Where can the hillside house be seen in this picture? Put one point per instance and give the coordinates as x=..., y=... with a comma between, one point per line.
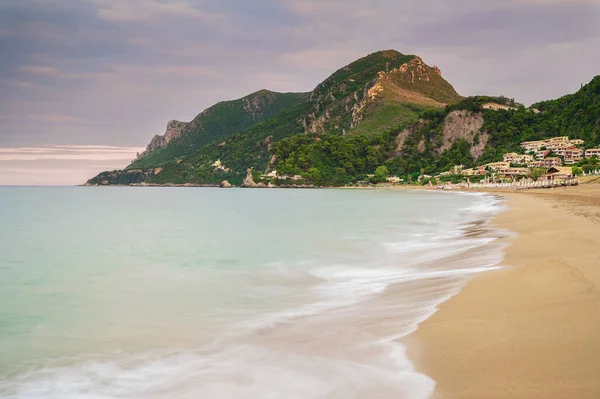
x=541, y=154
x=561, y=149
x=477, y=171
x=592, y=152
x=560, y=139
x=496, y=106
x=550, y=162
x=513, y=157
x=573, y=155
x=394, y=180
x=511, y=173
x=498, y=165
x=534, y=164
x=533, y=145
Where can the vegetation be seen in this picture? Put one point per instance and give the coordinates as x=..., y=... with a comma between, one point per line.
x=319, y=136
x=220, y=121
x=537, y=173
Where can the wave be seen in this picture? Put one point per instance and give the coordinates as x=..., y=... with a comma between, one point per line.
x=336, y=335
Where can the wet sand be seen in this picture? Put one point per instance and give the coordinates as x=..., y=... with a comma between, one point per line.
x=532, y=329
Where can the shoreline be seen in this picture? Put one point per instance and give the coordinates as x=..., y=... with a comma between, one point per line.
x=530, y=329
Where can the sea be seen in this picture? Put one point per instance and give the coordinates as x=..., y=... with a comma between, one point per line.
x=187, y=293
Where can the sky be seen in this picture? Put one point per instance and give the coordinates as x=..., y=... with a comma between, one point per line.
x=85, y=84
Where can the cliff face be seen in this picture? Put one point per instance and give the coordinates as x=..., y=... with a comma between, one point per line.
x=467, y=126
x=399, y=94
x=174, y=130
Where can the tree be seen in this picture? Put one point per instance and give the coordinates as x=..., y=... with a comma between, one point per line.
x=381, y=174
x=536, y=173
x=576, y=170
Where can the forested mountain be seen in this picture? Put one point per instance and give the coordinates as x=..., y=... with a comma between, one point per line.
x=386, y=109
x=215, y=123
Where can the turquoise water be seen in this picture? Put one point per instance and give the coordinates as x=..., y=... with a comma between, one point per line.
x=212, y=293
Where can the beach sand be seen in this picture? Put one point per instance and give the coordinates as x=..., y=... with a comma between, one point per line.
x=532, y=329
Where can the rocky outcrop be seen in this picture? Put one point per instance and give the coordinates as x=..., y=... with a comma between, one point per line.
x=255, y=105
x=457, y=125
x=225, y=184
x=464, y=125
x=401, y=138
x=417, y=70
x=249, y=180
x=174, y=130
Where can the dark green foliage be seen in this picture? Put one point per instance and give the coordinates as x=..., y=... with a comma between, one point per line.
x=381, y=174
x=220, y=121
x=575, y=115
x=537, y=173
x=332, y=159
x=117, y=177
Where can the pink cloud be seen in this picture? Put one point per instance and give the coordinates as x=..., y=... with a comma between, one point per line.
x=41, y=70
x=149, y=10
x=60, y=165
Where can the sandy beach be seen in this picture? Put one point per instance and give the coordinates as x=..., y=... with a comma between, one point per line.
x=532, y=329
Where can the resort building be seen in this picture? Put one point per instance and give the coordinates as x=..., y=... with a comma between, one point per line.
x=541, y=154
x=553, y=143
x=533, y=145
x=477, y=171
x=592, y=152
x=550, y=162
x=561, y=139
x=534, y=164
x=498, y=165
x=509, y=173
x=573, y=155
x=559, y=173
x=513, y=157
x=562, y=148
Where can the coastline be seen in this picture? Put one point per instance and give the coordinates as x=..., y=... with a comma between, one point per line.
x=529, y=330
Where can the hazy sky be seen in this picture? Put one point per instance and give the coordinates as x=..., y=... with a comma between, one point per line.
x=111, y=73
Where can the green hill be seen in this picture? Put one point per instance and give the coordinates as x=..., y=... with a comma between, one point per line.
x=376, y=92
x=386, y=109
x=215, y=123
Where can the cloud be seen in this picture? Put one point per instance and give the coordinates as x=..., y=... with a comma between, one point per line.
x=149, y=11
x=70, y=152
x=60, y=165
x=21, y=84
x=40, y=70
x=45, y=118
x=114, y=72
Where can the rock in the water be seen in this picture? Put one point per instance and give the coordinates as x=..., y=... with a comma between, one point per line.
x=225, y=184
x=248, y=180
